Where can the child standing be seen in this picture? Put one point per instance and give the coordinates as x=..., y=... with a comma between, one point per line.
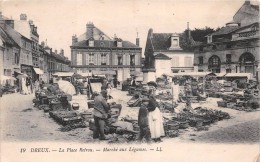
x=143, y=121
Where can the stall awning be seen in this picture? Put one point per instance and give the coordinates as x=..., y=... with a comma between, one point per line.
x=103, y=72
x=38, y=71
x=235, y=75
x=198, y=74
x=3, y=77
x=63, y=74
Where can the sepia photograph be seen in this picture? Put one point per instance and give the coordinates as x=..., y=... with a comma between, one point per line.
x=129, y=80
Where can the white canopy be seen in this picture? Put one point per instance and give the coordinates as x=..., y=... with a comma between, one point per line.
x=3, y=78
x=38, y=71
x=63, y=74
x=248, y=75
x=188, y=73
x=66, y=87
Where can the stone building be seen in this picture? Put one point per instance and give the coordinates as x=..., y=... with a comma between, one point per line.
x=235, y=47
x=95, y=52
x=166, y=53
x=10, y=51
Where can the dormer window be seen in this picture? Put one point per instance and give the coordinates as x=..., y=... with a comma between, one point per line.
x=91, y=42
x=119, y=42
x=209, y=39
x=175, y=42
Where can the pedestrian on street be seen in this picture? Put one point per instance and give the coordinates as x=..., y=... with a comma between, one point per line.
x=36, y=84
x=155, y=121
x=143, y=121
x=101, y=113
x=28, y=85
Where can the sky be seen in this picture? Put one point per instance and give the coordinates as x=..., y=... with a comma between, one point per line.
x=58, y=20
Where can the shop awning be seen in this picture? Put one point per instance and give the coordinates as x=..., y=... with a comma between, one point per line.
x=103, y=72
x=38, y=71
x=63, y=74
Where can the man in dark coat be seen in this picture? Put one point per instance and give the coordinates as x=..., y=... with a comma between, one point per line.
x=143, y=121
x=101, y=113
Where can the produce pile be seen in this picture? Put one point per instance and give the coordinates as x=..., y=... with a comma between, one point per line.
x=198, y=118
x=246, y=102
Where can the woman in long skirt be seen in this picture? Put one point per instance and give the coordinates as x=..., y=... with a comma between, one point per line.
x=155, y=121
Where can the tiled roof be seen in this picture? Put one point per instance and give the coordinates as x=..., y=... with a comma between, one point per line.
x=6, y=38
x=226, y=30
x=161, y=41
x=105, y=44
x=256, y=7
x=161, y=56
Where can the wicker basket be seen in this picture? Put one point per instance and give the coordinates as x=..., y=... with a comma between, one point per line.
x=222, y=103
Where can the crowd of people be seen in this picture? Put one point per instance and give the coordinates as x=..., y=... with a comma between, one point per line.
x=150, y=120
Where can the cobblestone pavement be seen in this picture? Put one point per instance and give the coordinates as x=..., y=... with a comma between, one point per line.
x=247, y=132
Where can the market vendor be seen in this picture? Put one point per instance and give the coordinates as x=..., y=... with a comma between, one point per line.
x=143, y=121
x=100, y=113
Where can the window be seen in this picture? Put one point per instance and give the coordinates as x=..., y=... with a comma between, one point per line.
x=132, y=60
x=174, y=42
x=188, y=62
x=16, y=58
x=228, y=58
x=103, y=59
x=79, y=58
x=119, y=44
x=228, y=70
x=119, y=60
x=209, y=38
x=91, y=43
x=91, y=59
x=24, y=43
x=175, y=61
x=200, y=60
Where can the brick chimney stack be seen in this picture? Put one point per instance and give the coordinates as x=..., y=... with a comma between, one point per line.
x=74, y=39
x=23, y=16
x=188, y=28
x=90, y=30
x=137, y=40
x=61, y=52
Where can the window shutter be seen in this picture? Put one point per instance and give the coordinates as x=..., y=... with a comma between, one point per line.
x=99, y=58
x=95, y=59
x=87, y=58
x=107, y=58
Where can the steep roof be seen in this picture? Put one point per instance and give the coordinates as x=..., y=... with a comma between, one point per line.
x=7, y=38
x=225, y=30
x=162, y=56
x=162, y=41
x=105, y=44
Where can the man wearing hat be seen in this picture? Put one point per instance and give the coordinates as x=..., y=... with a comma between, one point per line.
x=100, y=112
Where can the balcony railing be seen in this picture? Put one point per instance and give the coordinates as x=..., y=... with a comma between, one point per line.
x=247, y=34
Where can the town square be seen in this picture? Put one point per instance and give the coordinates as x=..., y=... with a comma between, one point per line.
x=130, y=78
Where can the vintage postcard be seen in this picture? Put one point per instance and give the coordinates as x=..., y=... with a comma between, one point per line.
x=129, y=80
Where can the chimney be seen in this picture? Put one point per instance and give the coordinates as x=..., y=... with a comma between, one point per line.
x=188, y=29
x=90, y=30
x=55, y=51
x=23, y=17
x=74, y=39
x=247, y=2
x=30, y=22
x=61, y=52
x=10, y=23
x=137, y=41
x=43, y=44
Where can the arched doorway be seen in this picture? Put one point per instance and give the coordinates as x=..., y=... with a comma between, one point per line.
x=214, y=64
x=246, y=61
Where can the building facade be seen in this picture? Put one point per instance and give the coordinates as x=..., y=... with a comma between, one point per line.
x=165, y=53
x=235, y=47
x=95, y=52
